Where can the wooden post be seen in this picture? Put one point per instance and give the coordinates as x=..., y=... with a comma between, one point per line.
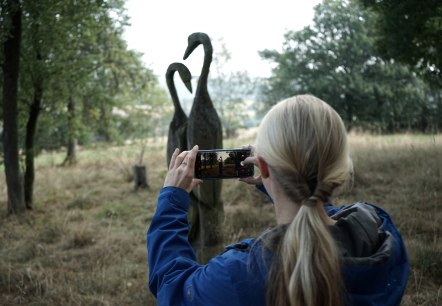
x=140, y=178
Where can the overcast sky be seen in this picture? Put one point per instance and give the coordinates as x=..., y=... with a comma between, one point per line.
x=159, y=29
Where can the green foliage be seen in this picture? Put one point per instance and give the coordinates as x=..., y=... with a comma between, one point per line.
x=410, y=31
x=335, y=59
x=75, y=51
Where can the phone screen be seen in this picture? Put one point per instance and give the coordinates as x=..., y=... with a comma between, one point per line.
x=222, y=164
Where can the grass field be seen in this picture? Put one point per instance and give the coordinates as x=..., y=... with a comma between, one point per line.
x=84, y=242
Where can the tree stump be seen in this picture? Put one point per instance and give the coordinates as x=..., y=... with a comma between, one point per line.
x=140, y=179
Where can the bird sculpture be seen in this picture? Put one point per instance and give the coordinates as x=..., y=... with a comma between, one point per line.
x=177, y=137
x=204, y=129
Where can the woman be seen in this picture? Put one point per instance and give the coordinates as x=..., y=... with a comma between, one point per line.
x=318, y=254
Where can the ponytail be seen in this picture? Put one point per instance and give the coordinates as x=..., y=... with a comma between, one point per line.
x=306, y=266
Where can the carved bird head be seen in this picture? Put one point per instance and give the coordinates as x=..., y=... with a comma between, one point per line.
x=194, y=40
x=184, y=72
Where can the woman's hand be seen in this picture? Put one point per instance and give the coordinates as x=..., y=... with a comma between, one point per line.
x=182, y=169
x=251, y=180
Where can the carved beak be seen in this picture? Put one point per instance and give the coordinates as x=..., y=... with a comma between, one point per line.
x=188, y=85
x=190, y=49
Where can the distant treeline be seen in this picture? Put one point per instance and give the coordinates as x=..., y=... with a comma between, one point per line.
x=378, y=65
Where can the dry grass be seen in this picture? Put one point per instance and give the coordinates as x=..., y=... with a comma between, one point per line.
x=84, y=242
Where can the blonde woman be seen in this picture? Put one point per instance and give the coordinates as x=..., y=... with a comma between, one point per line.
x=318, y=254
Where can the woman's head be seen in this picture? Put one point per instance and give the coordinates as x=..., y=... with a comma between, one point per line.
x=303, y=140
x=303, y=143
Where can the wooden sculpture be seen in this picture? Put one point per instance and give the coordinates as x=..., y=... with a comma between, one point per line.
x=177, y=137
x=204, y=129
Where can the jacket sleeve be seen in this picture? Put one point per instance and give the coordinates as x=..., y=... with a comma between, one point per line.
x=167, y=245
x=175, y=277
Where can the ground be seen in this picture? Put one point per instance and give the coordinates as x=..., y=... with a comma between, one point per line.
x=84, y=241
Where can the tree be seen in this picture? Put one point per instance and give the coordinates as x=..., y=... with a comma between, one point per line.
x=75, y=69
x=230, y=91
x=121, y=83
x=410, y=31
x=89, y=22
x=335, y=59
x=82, y=83
x=35, y=38
x=50, y=26
x=12, y=12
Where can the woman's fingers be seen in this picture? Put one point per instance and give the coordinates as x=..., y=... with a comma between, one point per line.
x=181, y=170
x=251, y=180
x=191, y=158
x=250, y=160
x=174, y=156
x=180, y=158
x=196, y=182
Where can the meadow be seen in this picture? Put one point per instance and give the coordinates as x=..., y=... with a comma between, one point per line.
x=84, y=241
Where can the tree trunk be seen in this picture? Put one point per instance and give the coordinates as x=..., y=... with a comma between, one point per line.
x=104, y=129
x=439, y=112
x=31, y=126
x=349, y=103
x=10, y=109
x=423, y=124
x=71, y=155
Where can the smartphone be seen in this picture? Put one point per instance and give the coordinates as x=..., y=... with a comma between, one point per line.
x=222, y=164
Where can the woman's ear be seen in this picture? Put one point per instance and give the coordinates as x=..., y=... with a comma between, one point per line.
x=263, y=167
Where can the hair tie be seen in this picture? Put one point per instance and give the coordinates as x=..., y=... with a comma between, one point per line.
x=310, y=202
x=323, y=191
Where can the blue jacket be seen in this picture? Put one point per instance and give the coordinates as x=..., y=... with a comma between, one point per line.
x=238, y=275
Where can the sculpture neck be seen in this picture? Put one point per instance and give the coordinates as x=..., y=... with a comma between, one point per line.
x=173, y=93
x=202, y=82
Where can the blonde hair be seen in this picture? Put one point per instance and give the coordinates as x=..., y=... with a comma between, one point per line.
x=303, y=141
